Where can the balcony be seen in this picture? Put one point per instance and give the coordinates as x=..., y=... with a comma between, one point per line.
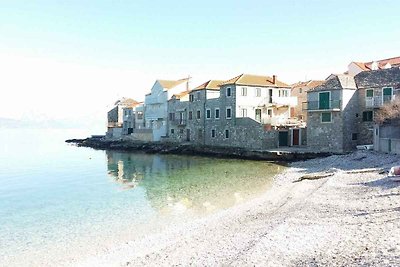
x=334, y=105
x=280, y=121
x=181, y=122
x=378, y=101
x=285, y=101
x=281, y=101
x=114, y=124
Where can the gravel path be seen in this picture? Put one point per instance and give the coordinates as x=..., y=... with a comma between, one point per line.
x=348, y=219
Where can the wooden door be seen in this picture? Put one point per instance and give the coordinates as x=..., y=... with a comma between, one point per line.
x=296, y=137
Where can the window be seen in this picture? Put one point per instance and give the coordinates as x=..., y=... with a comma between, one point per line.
x=172, y=131
x=208, y=113
x=217, y=113
x=369, y=93
x=198, y=116
x=226, y=133
x=354, y=136
x=301, y=90
x=228, y=113
x=190, y=115
x=191, y=97
x=283, y=93
x=243, y=112
x=213, y=133
x=228, y=91
x=198, y=96
x=244, y=91
x=368, y=115
x=171, y=116
x=258, y=92
x=140, y=115
x=387, y=93
x=326, y=117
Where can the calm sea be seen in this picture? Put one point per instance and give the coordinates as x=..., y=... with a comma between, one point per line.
x=60, y=203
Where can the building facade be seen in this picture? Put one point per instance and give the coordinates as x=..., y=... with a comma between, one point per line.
x=156, y=104
x=332, y=110
x=300, y=90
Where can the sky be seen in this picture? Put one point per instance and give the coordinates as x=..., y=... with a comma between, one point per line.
x=71, y=60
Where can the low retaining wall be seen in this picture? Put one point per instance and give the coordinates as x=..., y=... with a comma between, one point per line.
x=389, y=145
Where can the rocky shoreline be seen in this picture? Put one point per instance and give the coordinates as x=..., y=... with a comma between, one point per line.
x=196, y=150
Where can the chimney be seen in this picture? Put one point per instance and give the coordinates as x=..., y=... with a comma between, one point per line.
x=274, y=79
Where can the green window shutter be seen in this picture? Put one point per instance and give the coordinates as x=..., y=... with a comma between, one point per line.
x=324, y=100
x=387, y=91
x=326, y=117
x=368, y=115
x=370, y=93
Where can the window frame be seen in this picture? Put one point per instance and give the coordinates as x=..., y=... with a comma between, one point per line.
x=227, y=134
x=243, y=91
x=366, y=118
x=330, y=114
x=228, y=89
x=215, y=113
x=213, y=133
x=208, y=113
x=369, y=90
x=198, y=114
x=230, y=113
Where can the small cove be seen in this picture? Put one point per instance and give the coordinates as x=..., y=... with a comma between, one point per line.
x=60, y=202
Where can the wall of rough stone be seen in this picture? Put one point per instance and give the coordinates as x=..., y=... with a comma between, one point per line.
x=365, y=128
x=175, y=106
x=325, y=136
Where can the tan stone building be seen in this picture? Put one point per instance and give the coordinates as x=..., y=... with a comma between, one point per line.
x=300, y=90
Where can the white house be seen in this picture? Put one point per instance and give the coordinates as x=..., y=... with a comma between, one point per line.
x=156, y=104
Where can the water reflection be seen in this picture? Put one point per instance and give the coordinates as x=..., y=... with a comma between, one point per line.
x=180, y=184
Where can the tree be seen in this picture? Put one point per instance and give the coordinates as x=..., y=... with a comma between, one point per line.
x=388, y=111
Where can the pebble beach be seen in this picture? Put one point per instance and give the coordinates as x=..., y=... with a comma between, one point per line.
x=349, y=218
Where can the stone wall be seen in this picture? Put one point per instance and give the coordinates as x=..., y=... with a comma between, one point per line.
x=176, y=128
x=325, y=136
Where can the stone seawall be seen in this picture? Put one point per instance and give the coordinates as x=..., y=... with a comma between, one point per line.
x=196, y=150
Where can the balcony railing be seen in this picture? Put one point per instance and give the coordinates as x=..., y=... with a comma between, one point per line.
x=286, y=101
x=114, y=124
x=319, y=105
x=276, y=100
x=378, y=101
x=180, y=121
x=278, y=121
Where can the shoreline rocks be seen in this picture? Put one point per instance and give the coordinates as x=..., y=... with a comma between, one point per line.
x=195, y=150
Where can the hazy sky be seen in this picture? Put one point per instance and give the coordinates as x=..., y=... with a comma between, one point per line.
x=73, y=59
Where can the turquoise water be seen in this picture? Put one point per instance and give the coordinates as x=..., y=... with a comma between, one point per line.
x=60, y=203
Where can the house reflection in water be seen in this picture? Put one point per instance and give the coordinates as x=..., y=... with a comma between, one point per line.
x=181, y=184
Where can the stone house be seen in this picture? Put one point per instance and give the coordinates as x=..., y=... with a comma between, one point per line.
x=129, y=118
x=115, y=117
x=375, y=88
x=177, y=117
x=188, y=114
x=156, y=104
x=332, y=109
x=248, y=106
x=300, y=90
